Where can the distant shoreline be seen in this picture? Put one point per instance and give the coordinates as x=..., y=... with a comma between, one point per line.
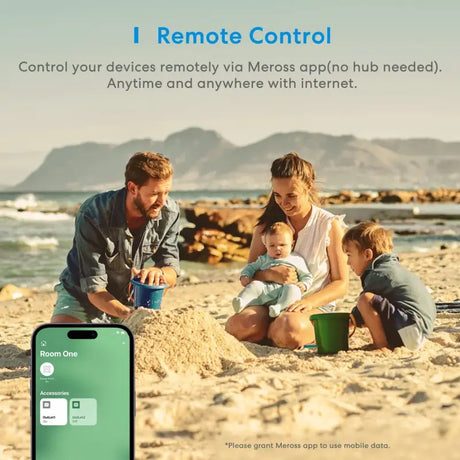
x=437, y=195
x=69, y=202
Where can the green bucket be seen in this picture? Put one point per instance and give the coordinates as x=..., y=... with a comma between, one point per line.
x=332, y=331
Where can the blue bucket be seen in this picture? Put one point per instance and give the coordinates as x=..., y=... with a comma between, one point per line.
x=147, y=295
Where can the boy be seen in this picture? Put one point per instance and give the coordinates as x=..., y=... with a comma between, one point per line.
x=394, y=303
x=279, y=241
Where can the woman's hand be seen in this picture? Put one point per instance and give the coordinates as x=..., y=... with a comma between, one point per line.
x=284, y=274
x=281, y=274
x=301, y=306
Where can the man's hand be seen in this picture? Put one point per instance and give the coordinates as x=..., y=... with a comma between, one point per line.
x=107, y=303
x=128, y=314
x=150, y=275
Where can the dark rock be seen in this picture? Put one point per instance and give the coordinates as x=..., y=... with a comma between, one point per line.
x=419, y=397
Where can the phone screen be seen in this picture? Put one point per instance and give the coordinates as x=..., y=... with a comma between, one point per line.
x=82, y=392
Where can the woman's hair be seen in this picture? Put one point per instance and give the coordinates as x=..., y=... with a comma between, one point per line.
x=287, y=167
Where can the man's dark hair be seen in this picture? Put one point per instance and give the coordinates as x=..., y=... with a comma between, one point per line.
x=143, y=166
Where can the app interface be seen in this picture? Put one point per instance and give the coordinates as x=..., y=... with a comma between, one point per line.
x=82, y=395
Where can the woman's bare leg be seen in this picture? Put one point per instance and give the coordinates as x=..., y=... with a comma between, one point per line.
x=292, y=329
x=250, y=325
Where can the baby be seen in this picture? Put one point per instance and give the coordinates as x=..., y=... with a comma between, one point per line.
x=279, y=241
x=394, y=303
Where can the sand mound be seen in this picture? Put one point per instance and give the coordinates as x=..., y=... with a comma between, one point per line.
x=183, y=340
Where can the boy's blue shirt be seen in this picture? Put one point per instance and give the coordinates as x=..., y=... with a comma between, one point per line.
x=386, y=277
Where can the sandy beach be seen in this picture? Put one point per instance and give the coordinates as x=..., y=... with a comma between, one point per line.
x=201, y=394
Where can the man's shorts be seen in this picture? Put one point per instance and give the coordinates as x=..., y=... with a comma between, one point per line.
x=400, y=328
x=67, y=304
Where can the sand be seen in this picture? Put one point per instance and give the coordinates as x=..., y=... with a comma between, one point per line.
x=183, y=340
x=204, y=395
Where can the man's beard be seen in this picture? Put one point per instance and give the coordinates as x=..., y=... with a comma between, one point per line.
x=146, y=212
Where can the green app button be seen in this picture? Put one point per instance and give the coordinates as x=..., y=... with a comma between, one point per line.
x=83, y=411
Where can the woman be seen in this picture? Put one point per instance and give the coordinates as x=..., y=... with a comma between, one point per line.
x=318, y=235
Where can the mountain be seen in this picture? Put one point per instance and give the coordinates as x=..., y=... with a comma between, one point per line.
x=439, y=159
x=205, y=160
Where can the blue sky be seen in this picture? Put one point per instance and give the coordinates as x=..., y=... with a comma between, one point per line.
x=42, y=111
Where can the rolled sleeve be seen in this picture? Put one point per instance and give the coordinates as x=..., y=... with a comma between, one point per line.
x=93, y=283
x=168, y=252
x=90, y=244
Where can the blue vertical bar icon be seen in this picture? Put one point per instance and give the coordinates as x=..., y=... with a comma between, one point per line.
x=136, y=34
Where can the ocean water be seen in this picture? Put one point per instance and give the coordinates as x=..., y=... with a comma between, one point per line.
x=35, y=238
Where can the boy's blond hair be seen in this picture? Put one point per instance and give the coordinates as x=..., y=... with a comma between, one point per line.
x=279, y=228
x=369, y=235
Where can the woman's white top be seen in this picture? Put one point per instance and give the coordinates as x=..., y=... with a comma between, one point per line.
x=312, y=243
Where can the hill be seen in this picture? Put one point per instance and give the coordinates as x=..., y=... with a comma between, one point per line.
x=205, y=160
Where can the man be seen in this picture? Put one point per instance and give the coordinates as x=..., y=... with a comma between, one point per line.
x=116, y=232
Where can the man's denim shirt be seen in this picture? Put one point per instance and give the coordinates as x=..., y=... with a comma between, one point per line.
x=101, y=255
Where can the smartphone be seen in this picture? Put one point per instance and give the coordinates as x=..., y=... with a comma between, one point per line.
x=82, y=392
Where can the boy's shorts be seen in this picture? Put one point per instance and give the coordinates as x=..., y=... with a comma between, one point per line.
x=400, y=328
x=67, y=304
x=328, y=308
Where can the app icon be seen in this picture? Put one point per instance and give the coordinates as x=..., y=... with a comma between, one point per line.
x=47, y=369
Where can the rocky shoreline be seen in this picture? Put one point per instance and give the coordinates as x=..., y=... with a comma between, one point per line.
x=439, y=195
x=222, y=230
x=218, y=235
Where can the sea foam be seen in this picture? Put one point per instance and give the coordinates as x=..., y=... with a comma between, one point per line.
x=37, y=242
x=33, y=215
